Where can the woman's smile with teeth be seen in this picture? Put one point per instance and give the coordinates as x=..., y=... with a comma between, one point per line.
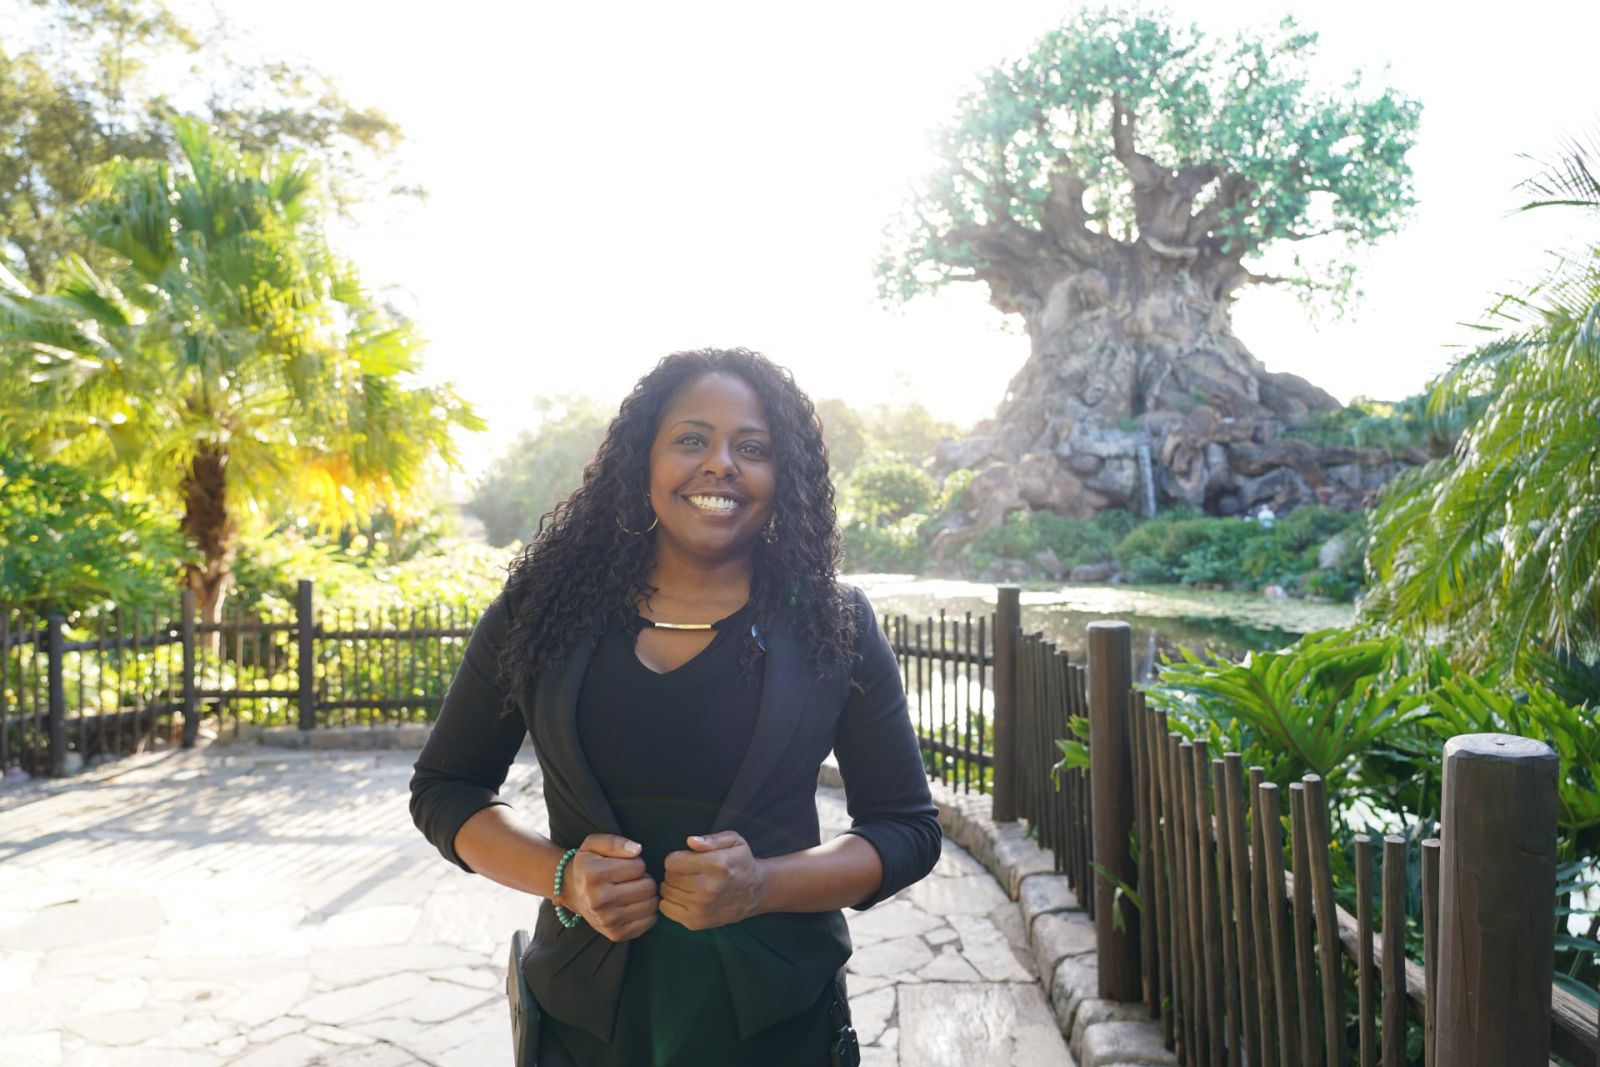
x=712, y=503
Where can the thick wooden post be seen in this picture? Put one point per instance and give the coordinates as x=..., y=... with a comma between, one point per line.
x=1007, y=628
x=56, y=654
x=1497, y=895
x=1111, y=780
x=191, y=704
x=305, y=654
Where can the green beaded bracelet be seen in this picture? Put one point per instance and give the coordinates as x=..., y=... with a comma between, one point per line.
x=566, y=918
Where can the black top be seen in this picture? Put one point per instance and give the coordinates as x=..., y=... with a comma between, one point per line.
x=773, y=965
x=665, y=748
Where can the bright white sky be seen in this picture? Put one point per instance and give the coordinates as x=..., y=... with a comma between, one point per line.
x=611, y=182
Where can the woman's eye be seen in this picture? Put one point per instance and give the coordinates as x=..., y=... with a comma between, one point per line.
x=751, y=448
x=693, y=439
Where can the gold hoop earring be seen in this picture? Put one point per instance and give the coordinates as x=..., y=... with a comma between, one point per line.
x=654, y=518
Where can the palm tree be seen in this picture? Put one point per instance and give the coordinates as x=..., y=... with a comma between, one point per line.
x=228, y=359
x=1495, y=549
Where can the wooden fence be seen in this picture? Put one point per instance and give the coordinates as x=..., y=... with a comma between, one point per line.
x=142, y=679
x=1244, y=954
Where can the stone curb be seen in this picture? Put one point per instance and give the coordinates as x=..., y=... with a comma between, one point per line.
x=408, y=735
x=1100, y=1033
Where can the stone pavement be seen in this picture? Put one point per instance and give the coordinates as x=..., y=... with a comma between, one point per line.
x=253, y=906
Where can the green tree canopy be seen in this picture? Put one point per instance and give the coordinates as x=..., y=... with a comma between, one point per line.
x=886, y=491
x=1121, y=129
x=227, y=357
x=906, y=432
x=540, y=469
x=102, y=79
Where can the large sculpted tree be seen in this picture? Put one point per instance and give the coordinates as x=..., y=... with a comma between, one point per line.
x=1117, y=188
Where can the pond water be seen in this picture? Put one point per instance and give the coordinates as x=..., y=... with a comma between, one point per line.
x=1162, y=617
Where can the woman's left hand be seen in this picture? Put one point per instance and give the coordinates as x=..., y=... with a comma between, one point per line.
x=716, y=883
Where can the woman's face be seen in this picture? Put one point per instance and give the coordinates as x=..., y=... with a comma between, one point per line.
x=712, y=478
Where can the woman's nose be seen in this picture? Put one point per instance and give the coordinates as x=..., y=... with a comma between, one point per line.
x=720, y=462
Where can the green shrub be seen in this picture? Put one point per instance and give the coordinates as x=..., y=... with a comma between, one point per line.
x=70, y=541
x=1367, y=424
x=461, y=575
x=1181, y=546
x=887, y=491
x=890, y=547
x=1074, y=541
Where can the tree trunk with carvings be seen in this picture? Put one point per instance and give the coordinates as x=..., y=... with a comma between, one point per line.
x=1133, y=352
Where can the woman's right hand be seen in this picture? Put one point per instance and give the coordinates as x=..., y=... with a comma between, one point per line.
x=606, y=883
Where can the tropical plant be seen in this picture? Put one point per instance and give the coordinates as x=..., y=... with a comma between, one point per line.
x=227, y=359
x=1494, y=550
x=83, y=82
x=1320, y=706
x=1464, y=704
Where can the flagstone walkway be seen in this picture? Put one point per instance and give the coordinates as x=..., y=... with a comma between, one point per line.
x=254, y=906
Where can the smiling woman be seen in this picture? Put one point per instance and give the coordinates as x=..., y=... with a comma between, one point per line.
x=711, y=474
x=677, y=645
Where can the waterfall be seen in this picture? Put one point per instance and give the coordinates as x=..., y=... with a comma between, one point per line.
x=1147, y=479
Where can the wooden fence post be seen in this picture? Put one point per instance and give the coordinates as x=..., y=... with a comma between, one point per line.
x=56, y=654
x=1007, y=628
x=1497, y=896
x=191, y=704
x=1111, y=781
x=306, y=654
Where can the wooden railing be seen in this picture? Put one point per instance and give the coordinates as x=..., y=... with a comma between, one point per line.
x=1232, y=936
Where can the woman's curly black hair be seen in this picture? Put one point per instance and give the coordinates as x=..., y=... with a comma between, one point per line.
x=584, y=566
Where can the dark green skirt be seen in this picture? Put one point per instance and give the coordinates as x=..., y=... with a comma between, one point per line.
x=675, y=1011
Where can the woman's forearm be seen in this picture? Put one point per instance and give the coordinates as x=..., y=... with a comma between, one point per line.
x=837, y=874
x=495, y=846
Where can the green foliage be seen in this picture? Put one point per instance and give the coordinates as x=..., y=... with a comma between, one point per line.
x=1292, y=161
x=882, y=492
x=1485, y=612
x=225, y=339
x=905, y=432
x=69, y=541
x=1461, y=703
x=1316, y=707
x=1182, y=546
x=883, y=506
x=94, y=84
x=460, y=575
x=1397, y=427
x=893, y=548
x=1494, y=550
x=540, y=469
x=1074, y=541
x=845, y=432
x=886, y=500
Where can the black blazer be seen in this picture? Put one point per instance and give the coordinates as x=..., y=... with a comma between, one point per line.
x=776, y=964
